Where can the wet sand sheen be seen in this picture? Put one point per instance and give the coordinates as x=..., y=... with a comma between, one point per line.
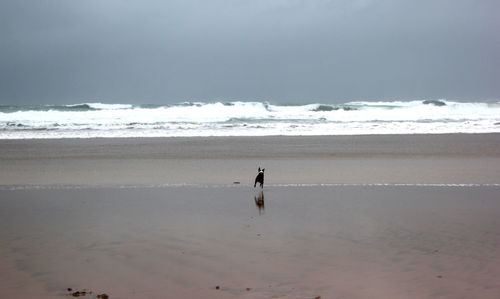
x=292, y=242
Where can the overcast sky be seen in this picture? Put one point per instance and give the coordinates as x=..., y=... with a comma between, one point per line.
x=282, y=51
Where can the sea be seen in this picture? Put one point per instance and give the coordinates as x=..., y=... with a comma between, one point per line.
x=241, y=118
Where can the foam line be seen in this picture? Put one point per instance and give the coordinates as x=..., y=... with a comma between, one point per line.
x=268, y=186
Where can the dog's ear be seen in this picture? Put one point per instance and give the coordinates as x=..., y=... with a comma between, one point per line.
x=263, y=169
x=259, y=168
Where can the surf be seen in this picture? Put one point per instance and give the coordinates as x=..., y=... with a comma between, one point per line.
x=240, y=118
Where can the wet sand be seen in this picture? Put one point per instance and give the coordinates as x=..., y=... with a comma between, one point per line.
x=452, y=158
x=298, y=242
x=361, y=241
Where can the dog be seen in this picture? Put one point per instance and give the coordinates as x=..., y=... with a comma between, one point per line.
x=260, y=178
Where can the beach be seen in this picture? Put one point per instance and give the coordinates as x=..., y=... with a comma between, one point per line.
x=447, y=158
x=378, y=216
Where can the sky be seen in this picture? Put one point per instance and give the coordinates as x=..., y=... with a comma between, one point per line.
x=281, y=51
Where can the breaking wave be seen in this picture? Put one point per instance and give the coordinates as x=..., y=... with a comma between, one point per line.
x=239, y=118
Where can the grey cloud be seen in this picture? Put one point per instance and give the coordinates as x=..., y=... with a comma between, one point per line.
x=62, y=51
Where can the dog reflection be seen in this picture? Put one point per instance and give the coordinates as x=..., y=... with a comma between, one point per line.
x=259, y=202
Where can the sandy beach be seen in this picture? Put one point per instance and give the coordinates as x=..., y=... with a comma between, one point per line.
x=452, y=158
x=107, y=216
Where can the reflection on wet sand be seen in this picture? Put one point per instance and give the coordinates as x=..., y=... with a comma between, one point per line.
x=259, y=202
x=184, y=241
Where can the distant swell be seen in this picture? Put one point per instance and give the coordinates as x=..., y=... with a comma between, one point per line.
x=434, y=102
x=80, y=107
x=321, y=108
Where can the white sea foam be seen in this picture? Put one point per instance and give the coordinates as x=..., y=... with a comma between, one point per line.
x=250, y=186
x=247, y=119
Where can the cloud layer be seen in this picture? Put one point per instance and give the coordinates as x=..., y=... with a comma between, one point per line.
x=61, y=51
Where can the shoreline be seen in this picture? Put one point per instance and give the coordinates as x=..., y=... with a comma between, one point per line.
x=365, y=159
x=256, y=136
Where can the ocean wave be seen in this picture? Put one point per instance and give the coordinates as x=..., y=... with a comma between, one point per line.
x=327, y=108
x=434, y=102
x=83, y=107
x=240, y=118
x=101, y=106
x=75, y=107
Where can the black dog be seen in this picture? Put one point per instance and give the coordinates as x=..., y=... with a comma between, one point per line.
x=260, y=178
